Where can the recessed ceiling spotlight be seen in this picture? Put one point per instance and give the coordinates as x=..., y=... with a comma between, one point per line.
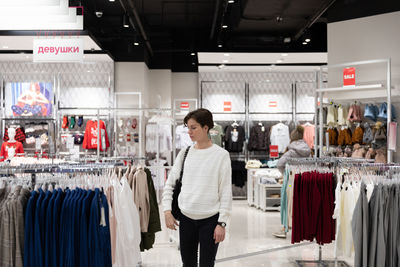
x=220, y=45
x=5, y=47
x=231, y=1
x=225, y=61
x=279, y=61
x=193, y=54
x=307, y=40
x=284, y=55
x=226, y=54
x=287, y=40
x=136, y=43
x=221, y=66
x=304, y=43
x=224, y=26
x=111, y=0
x=193, y=63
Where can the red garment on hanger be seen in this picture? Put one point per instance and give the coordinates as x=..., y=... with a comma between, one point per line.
x=313, y=206
x=10, y=145
x=90, y=138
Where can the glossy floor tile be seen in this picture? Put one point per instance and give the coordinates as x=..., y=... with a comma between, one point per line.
x=249, y=242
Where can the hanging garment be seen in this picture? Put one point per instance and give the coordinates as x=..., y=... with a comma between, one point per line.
x=309, y=134
x=296, y=149
x=160, y=132
x=139, y=186
x=332, y=116
x=344, y=137
x=280, y=136
x=357, y=136
x=11, y=149
x=216, y=134
x=259, y=138
x=19, y=135
x=342, y=115
x=239, y=173
x=149, y=238
x=182, y=137
x=360, y=230
x=128, y=225
x=234, y=138
x=313, y=206
x=333, y=136
x=91, y=132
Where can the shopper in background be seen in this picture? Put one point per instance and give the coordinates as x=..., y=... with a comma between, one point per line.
x=205, y=199
x=297, y=148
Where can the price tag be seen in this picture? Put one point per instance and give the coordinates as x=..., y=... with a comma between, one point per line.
x=273, y=151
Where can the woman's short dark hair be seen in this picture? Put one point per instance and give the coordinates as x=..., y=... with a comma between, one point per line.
x=202, y=116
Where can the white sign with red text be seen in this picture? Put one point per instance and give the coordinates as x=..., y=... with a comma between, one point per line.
x=58, y=50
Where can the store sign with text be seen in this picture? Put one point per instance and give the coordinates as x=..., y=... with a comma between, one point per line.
x=349, y=77
x=227, y=106
x=184, y=105
x=273, y=104
x=58, y=50
x=273, y=151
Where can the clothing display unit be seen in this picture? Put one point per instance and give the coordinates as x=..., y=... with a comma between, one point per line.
x=383, y=92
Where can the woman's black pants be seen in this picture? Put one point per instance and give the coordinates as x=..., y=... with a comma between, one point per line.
x=193, y=232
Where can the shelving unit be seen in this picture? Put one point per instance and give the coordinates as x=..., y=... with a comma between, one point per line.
x=319, y=95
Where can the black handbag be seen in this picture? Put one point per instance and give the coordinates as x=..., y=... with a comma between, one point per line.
x=175, y=210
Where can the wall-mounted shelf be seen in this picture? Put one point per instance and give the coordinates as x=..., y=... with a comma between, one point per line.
x=350, y=88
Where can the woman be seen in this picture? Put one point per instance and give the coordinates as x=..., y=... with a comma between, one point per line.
x=297, y=148
x=205, y=199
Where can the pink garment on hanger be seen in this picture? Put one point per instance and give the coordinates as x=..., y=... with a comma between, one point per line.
x=392, y=136
x=309, y=134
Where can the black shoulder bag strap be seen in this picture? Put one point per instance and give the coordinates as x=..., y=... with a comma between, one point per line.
x=183, y=163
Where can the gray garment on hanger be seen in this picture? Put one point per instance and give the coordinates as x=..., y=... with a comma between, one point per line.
x=382, y=229
x=359, y=227
x=391, y=253
x=373, y=225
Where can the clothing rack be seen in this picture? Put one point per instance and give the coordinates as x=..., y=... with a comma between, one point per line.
x=55, y=168
x=316, y=161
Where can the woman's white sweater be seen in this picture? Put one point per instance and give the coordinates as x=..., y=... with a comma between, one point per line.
x=206, y=183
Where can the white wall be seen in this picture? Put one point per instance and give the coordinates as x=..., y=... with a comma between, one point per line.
x=185, y=85
x=374, y=37
x=160, y=88
x=131, y=77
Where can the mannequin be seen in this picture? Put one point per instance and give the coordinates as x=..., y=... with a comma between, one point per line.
x=12, y=147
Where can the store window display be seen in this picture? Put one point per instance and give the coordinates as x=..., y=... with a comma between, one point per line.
x=12, y=147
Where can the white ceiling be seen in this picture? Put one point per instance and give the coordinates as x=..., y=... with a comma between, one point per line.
x=262, y=58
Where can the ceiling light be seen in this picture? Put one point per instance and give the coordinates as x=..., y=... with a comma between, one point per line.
x=136, y=43
x=5, y=47
x=193, y=63
x=112, y=0
x=307, y=40
x=287, y=40
x=279, y=61
x=304, y=43
x=231, y=1
x=125, y=21
x=193, y=54
x=225, y=61
x=220, y=45
x=224, y=26
x=221, y=66
x=284, y=55
x=226, y=54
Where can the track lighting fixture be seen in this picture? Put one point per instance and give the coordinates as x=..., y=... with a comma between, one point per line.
x=125, y=21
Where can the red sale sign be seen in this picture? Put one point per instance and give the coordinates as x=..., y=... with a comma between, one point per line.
x=273, y=151
x=349, y=77
x=184, y=105
x=227, y=106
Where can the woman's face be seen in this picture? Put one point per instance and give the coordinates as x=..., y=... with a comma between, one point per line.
x=196, y=132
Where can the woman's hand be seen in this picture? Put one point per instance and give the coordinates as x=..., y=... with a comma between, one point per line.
x=170, y=221
x=219, y=234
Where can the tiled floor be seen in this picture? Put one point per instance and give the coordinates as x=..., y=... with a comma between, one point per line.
x=248, y=243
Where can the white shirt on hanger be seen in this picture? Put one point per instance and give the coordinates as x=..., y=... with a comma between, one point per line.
x=182, y=137
x=280, y=136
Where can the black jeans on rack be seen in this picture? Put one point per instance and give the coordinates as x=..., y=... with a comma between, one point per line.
x=193, y=232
